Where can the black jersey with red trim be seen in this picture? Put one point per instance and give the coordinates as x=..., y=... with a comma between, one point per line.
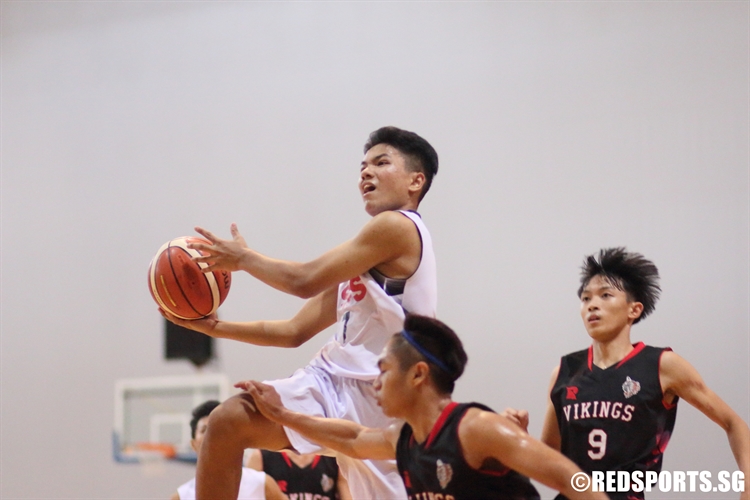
x=615, y=418
x=437, y=470
x=317, y=481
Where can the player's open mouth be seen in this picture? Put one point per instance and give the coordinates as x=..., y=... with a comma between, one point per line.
x=592, y=319
x=368, y=188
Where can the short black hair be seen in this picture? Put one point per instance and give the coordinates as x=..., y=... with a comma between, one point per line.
x=630, y=272
x=440, y=341
x=420, y=155
x=201, y=411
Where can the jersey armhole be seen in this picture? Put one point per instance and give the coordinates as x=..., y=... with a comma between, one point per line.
x=495, y=473
x=421, y=241
x=396, y=286
x=666, y=405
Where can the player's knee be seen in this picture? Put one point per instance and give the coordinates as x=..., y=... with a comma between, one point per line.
x=234, y=418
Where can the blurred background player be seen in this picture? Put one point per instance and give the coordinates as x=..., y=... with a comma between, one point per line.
x=443, y=449
x=363, y=285
x=302, y=476
x=254, y=485
x=613, y=406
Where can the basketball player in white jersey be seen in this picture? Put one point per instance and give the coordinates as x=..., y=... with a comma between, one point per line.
x=363, y=286
x=254, y=485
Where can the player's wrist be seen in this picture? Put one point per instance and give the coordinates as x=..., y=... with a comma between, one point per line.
x=285, y=416
x=246, y=259
x=211, y=328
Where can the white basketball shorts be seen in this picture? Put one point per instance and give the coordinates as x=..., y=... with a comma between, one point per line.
x=313, y=391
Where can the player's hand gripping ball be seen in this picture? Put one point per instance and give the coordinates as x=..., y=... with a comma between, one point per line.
x=179, y=285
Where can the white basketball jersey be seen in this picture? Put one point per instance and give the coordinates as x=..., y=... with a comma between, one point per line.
x=252, y=486
x=372, y=307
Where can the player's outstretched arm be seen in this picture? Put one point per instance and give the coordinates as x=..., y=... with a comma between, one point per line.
x=385, y=238
x=488, y=436
x=316, y=315
x=342, y=436
x=680, y=378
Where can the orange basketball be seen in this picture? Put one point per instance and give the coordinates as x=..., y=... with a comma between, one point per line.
x=180, y=286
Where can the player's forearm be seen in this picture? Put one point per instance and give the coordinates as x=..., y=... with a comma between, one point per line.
x=339, y=435
x=550, y=468
x=289, y=277
x=262, y=333
x=738, y=434
x=315, y=316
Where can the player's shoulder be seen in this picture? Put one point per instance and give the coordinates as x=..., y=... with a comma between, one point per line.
x=671, y=363
x=479, y=424
x=650, y=356
x=474, y=417
x=659, y=351
x=390, y=223
x=676, y=374
x=555, y=373
x=392, y=217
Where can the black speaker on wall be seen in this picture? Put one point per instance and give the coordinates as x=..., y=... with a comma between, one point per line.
x=182, y=343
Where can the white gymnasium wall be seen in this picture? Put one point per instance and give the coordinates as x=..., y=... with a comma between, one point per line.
x=562, y=127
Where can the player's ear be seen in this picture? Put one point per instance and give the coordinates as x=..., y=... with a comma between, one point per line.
x=417, y=181
x=194, y=445
x=420, y=373
x=636, y=309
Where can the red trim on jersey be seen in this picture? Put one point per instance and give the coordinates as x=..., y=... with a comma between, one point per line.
x=282, y=485
x=439, y=423
x=495, y=473
x=666, y=405
x=315, y=461
x=407, y=479
x=286, y=459
x=636, y=349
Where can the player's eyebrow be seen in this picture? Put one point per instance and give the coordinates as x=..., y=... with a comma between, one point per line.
x=374, y=159
x=605, y=286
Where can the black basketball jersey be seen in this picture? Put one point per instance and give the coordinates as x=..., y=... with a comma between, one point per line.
x=615, y=418
x=318, y=481
x=437, y=470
